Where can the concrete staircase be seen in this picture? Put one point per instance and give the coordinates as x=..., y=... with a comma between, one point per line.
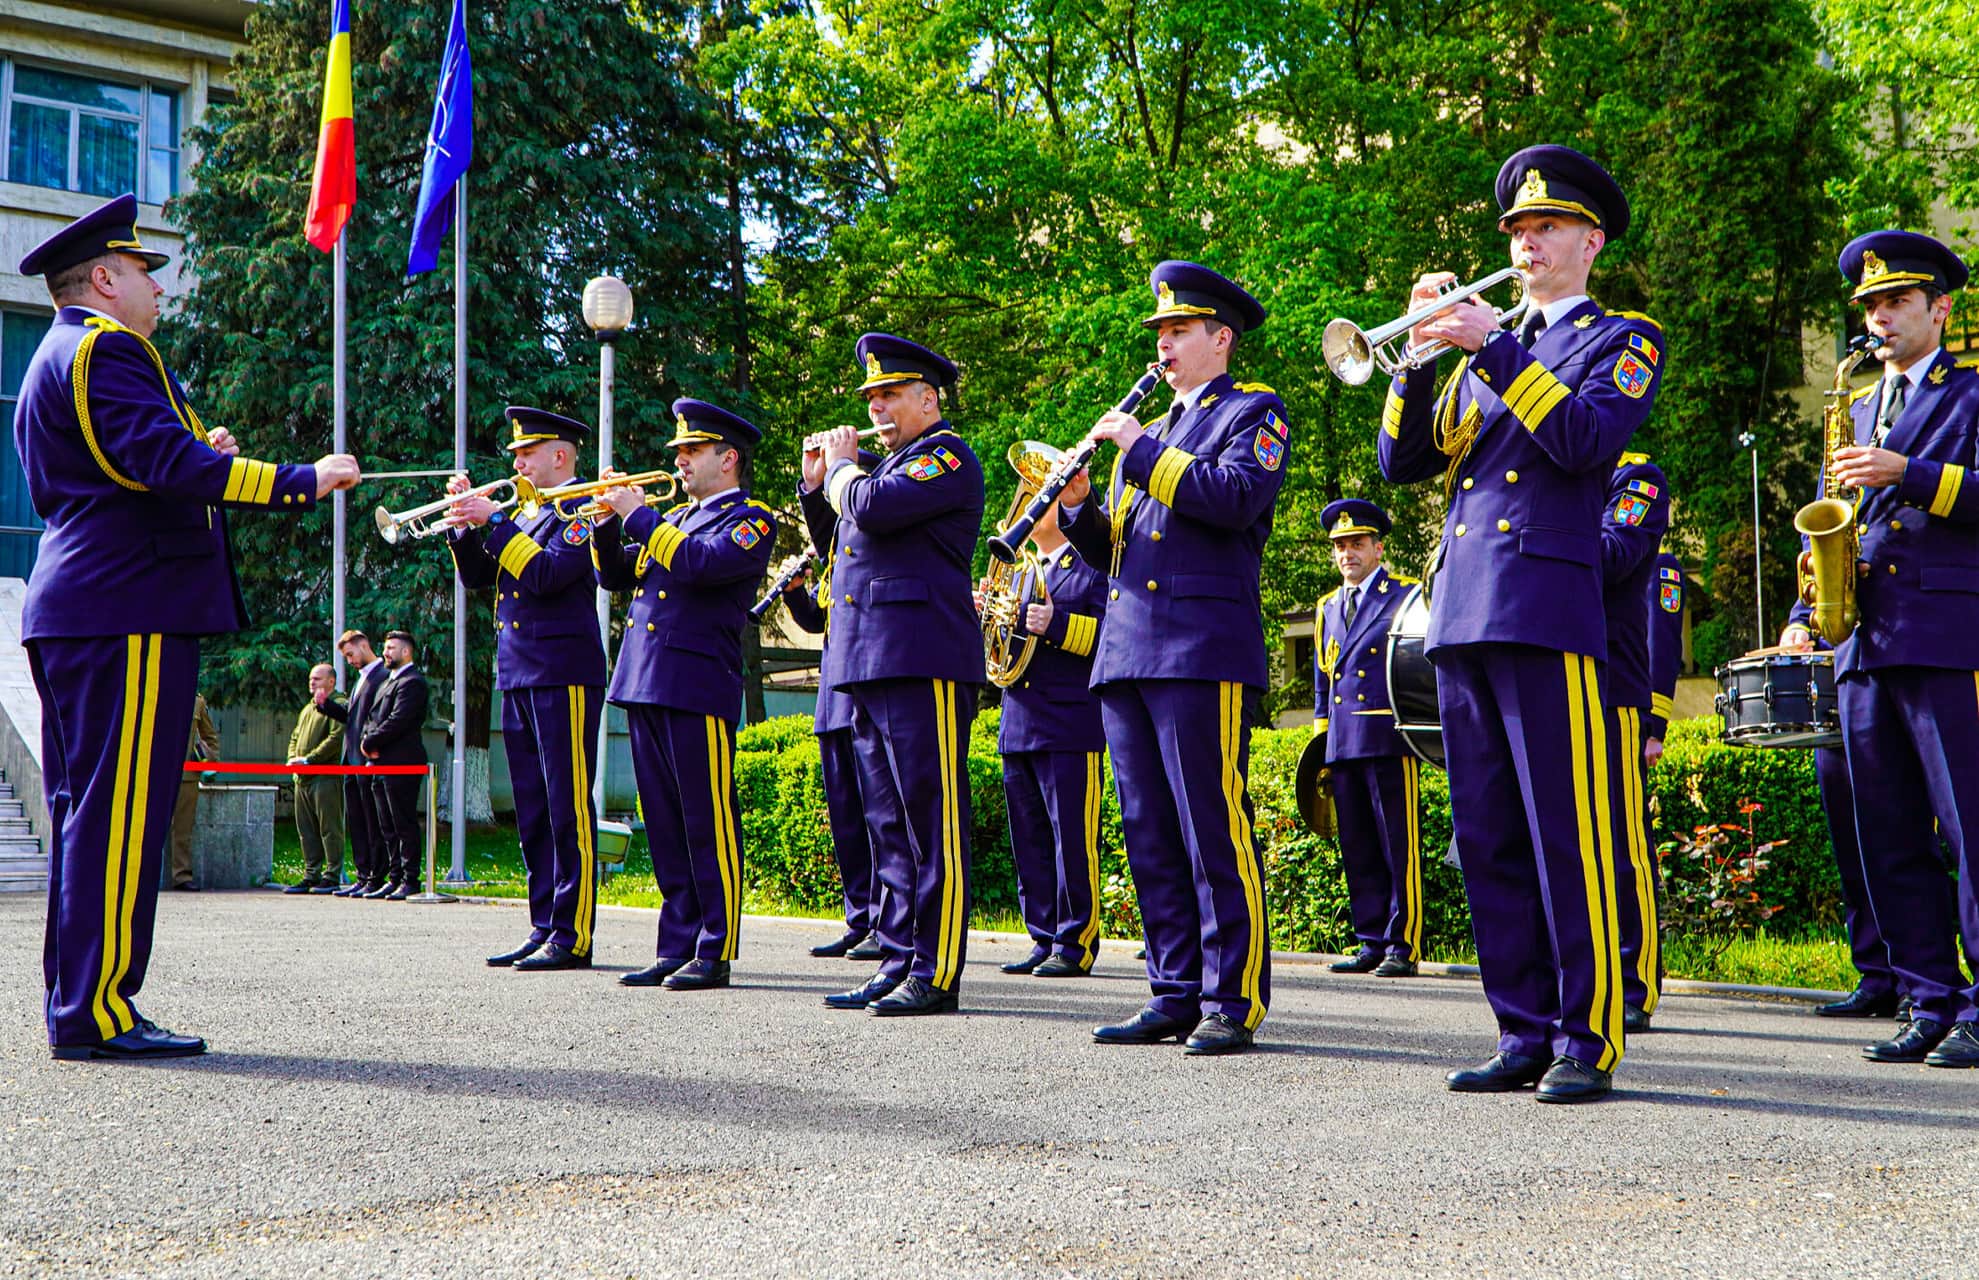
x=23, y=866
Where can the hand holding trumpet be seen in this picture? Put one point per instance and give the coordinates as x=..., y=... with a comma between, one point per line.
x=471, y=511
x=1468, y=324
x=621, y=499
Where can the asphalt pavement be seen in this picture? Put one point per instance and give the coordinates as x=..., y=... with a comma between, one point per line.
x=380, y=1103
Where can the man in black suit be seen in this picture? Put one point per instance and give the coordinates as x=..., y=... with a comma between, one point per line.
x=367, y=841
x=391, y=736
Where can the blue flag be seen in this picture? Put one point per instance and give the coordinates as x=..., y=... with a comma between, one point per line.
x=449, y=148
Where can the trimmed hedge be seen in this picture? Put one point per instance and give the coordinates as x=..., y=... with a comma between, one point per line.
x=787, y=839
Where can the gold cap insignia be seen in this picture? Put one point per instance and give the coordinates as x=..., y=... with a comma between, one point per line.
x=873, y=369
x=1534, y=187
x=680, y=423
x=1872, y=266
x=1164, y=296
x=1344, y=526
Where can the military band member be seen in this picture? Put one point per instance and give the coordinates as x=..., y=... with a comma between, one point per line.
x=1181, y=661
x=1375, y=778
x=906, y=646
x=838, y=761
x=134, y=566
x=1905, y=678
x=693, y=574
x=1632, y=525
x=1525, y=436
x=1052, y=745
x=550, y=668
x=393, y=736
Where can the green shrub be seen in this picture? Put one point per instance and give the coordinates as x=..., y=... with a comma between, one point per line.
x=788, y=840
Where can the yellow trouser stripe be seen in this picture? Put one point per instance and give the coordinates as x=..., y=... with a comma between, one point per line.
x=587, y=833
x=1640, y=864
x=725, y=859
x=1587, y=732
x=1231, y=724
x=117, y=852
x=1391, y=415
x=948, y=940
x=1949, y=482
x=518, y=552
x=1167, y=473
x=1090, y=934
x=665, y=541
x=1412, y=878
x=124, y=858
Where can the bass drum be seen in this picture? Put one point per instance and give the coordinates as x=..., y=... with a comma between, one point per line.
x=1412, y=681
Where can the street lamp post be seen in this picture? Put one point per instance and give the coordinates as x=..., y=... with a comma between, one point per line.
x=1749, y=441
x=608, y=312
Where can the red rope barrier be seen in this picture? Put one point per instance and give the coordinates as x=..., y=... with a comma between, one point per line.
x=368, y=770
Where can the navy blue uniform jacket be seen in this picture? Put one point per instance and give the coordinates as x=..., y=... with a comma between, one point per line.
x=1350, y=670
x=546, y=597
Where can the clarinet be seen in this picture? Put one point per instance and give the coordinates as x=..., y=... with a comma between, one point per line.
x=791, y=572
x=1004, y=546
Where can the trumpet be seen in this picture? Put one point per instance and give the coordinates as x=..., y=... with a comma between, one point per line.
x=418, y=522
x=815, y=442
x=598, y=509
x=1352, y=353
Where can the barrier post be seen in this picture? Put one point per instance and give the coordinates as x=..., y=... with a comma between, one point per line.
x=432, y=838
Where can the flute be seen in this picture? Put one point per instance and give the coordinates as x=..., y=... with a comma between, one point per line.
x=792, y=570
x=815, y=442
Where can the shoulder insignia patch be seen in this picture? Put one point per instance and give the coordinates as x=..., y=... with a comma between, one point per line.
x=1637, y=342
x=1255, y=388
x=947, y=458
x=1632, y=376
x=1637, y=315
x=1670, y=575
x=1276, y=423
x=1633, y=509
x=1269, y=449
x=577, y=532
x=1670, y=597
x=744, y=535
x=1586, y=321
x=923, y=468
x=1644, y=488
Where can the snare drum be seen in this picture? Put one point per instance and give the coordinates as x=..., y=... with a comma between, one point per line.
x=1778, y=699
x=1412, y=681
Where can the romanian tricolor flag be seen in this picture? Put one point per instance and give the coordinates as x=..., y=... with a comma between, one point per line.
x=333, y=194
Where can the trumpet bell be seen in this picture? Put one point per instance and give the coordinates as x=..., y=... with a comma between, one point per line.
x=1034, y=461
x=388, y=525
x=1347, y=351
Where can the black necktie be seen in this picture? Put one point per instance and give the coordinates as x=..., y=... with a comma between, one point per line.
x=1895, y=392
x=1352, y=607
x=1535, y=324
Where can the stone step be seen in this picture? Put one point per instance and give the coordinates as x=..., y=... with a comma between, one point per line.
x=6, y=791
x=15, y=827
x=11, y=883
x=12, y=809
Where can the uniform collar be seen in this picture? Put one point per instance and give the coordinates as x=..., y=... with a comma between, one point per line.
x=713, y=500
x=1916, y=373
x=1557, y=311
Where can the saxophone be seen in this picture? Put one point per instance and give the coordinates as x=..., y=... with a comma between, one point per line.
x=1827, y=567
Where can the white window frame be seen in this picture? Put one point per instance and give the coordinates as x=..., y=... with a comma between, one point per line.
x=72, y=179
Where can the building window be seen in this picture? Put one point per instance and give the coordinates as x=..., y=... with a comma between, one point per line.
x=98, y=137
x=20, y=528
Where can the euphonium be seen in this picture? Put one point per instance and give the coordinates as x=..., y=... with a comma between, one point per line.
x=1827, y=567
x=1007, y=646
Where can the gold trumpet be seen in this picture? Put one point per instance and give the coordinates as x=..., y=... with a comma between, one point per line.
x=597, y=508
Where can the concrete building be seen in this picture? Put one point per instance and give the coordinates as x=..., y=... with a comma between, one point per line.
x=97, y=97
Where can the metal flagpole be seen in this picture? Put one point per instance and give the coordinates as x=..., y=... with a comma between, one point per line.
x=338, y=395
x=606, y=370
x=459, y=872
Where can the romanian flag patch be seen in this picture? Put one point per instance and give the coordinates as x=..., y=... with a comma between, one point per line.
x=1632, y=509
x=924, y=467
x=577, y=532
x=1270, y=450
x=1644, y=488
x=1632, y=376
x=1648, y=349
x=1670, y=597
x=1276, y=423
x=947, y=459
x=744, y=535
x=1670, y=575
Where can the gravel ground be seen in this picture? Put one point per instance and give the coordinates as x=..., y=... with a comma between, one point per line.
x=379, y=1103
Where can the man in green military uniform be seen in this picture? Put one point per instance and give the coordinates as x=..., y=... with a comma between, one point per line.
x=319, y=797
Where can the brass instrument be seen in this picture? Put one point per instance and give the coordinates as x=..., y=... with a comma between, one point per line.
x=1007, y=646
x=597, y=509
x=417, y=522
x=815, y=442
x=1353, y=353
x=1827, y=567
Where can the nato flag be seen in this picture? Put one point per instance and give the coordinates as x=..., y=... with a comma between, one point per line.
x=449, y=148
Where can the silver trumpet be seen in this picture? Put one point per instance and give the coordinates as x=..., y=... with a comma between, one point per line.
x=420, y=522
x=1353, y=353
x=815, y=442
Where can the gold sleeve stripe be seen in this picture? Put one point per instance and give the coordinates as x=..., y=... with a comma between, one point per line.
x=665, y=541
x=1661, y=704
x=1080, y=632
x=517, y=554
x=264, y=482
x=1533, y=394
x=236, y=478
x=835, y=487
x=1391, y=415
x=1950, y=480
x=1167, y=474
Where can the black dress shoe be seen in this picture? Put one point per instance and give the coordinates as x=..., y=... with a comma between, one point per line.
x=859, y=997
x=870, y=949
x=914, y=998
x=1959, y=1049
x=551, y=957
x=698, y=975
x=145, y=1040
x=324, y=886
x=1502, y=1072
x=1146, y=1027
x=1217, y=1034
x=1634, y=1019
x=1140, y=953
x=1058, y=967
x=653, y=974
x=1913, y=1044
x=840, y=945
x=1571, y=1080
x=1028, y=963
x=300, y=886
x=1363, y=961
x=183, y=886
x=1395, y=967
x=400, y=892
x=507, y=958
x=376, y=891
x=1858, y=1004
